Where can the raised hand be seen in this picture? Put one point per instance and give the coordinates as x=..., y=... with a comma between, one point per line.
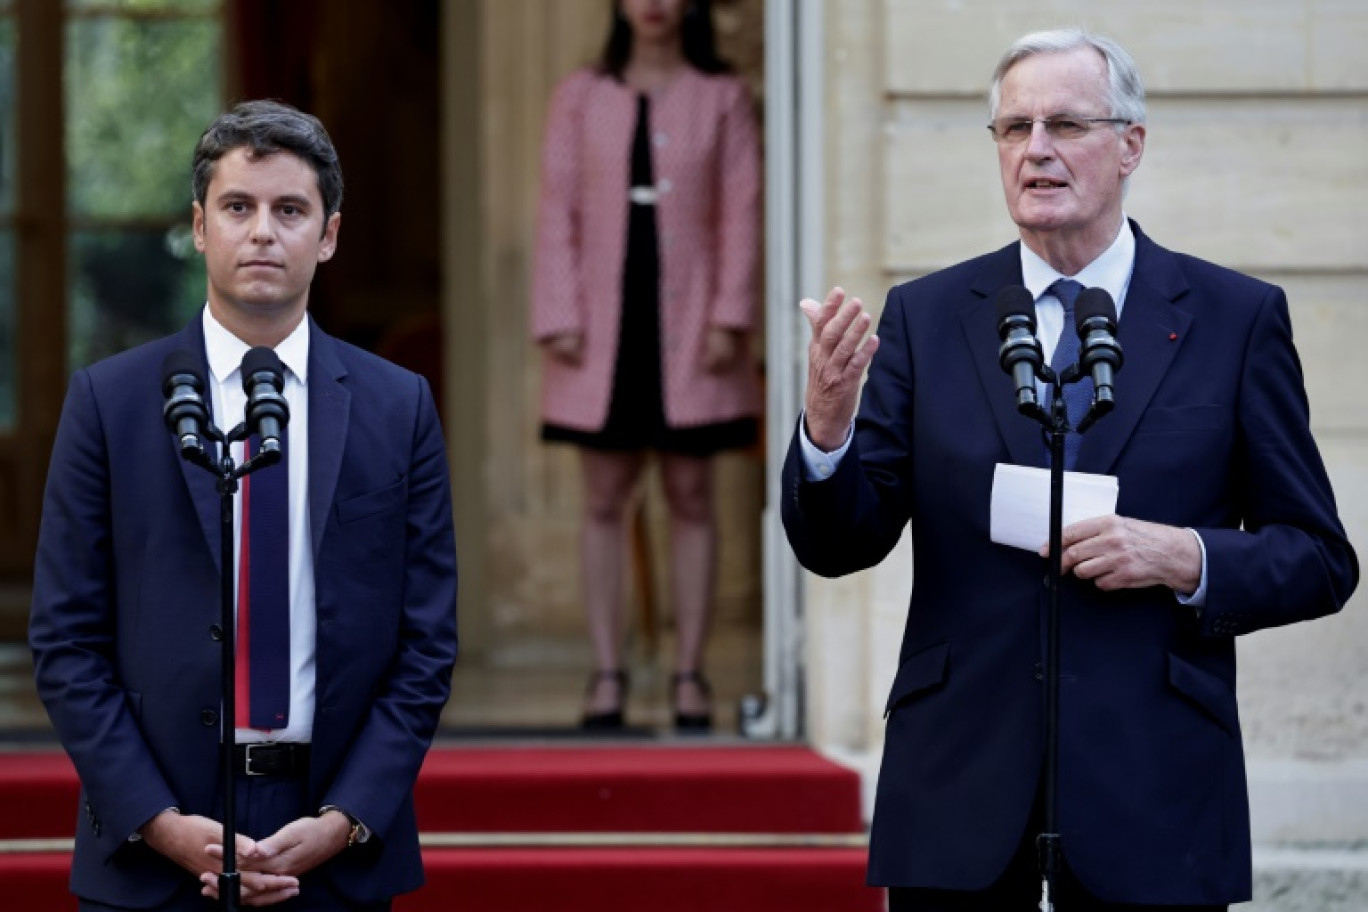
x=838, y=354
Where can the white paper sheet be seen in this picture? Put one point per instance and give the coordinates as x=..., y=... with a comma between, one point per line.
x=1021, y=503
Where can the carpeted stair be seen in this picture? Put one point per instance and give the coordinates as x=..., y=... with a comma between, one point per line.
x=604, y=828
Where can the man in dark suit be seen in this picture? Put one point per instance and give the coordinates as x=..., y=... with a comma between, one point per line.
x=1225, y=524
x=125, y=619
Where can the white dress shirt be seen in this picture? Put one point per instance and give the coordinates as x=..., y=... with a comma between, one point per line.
x=225, y=353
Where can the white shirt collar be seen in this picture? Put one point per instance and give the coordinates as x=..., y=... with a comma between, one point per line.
x=225, y=350
x=1111, y=271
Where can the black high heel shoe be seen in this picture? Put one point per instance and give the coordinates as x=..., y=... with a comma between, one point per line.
x=692, y=723
x=613, y=718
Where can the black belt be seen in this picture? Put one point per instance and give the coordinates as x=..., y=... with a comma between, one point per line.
x=270, y=758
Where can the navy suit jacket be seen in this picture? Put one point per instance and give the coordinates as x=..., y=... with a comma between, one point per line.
x=126, y=607
x=1210, y=431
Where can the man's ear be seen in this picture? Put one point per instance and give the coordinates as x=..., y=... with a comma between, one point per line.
x=328, y=246
x=197, y=225
x=1132, y=148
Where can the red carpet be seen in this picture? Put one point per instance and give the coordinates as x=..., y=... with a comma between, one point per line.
x=695, y=799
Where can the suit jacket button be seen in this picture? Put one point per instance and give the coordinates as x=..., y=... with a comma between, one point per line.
x=215, y=633
x=208, y=717
x=1038, y=672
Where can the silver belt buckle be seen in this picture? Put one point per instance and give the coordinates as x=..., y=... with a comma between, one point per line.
x=251, y=746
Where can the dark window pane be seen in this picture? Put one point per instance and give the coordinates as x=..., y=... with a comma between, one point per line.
x=8, y=280
x=8, y=344
x=138, y=92
x=128, y=287
x=7, y=105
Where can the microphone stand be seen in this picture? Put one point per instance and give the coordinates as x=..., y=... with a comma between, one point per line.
x=227, y=475
x=1056, y=424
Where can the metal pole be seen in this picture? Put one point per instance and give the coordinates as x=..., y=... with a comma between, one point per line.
x=1048, y=842
x=229, y=881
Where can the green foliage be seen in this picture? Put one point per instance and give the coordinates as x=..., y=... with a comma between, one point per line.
x=138, y=94
x=140, y=5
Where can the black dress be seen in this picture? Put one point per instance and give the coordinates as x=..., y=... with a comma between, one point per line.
x=636, y=416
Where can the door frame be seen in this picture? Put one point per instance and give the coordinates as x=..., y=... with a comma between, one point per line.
x=794, y=265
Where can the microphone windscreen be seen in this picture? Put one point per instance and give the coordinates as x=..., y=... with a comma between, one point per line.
x=262, y=359
x=1016, y=301
x=181, y=361
x=1094, y=302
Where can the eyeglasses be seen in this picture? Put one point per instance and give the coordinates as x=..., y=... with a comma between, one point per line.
x=1014, y=130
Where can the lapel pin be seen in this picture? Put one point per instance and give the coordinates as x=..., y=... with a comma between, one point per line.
x=1173, y=337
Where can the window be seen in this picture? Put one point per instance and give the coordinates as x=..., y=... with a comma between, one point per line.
x=101, y=102
x=141, y=78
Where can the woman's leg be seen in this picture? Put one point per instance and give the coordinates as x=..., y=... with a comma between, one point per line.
x=688, y=483
x=610, y=477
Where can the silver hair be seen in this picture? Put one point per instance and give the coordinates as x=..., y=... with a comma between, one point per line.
x=1125, y=91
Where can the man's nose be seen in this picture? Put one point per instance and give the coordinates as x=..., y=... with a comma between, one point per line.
x=263, y=228
x=1041, y=144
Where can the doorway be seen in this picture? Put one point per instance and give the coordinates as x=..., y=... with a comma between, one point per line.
x=525, y=655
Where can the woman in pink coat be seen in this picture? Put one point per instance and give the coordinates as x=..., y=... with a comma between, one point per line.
x=643, y=300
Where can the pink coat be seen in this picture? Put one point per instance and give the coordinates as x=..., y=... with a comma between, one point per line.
x=705, y=157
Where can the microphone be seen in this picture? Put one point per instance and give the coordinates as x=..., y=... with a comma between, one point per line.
x=263, y=378
x=184, y=411
x=1020, y=354
x=1099, y=353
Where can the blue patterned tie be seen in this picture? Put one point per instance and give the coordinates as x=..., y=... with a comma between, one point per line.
x=264, y=618
x=1077, y=396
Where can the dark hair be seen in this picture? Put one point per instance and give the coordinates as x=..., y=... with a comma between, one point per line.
x=695, y=33
x=265, y=128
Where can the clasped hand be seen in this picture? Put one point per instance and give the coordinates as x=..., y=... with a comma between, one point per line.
x=270, y=868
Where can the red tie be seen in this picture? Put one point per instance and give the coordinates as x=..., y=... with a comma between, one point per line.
x=262, y=679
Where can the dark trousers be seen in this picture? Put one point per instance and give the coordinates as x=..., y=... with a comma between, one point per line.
x=264, y=805
x=1018, y=890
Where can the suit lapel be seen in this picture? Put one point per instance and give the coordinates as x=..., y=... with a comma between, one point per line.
x=1020, y=433
x=1151, y=331
x=329, y=407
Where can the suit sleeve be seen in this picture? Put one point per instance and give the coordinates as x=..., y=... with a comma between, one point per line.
x=72, y=628
x=853, y=519
x=384, y=758
x=1291, y=560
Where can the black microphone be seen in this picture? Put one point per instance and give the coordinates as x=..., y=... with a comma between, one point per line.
x=1099, y=353
x=1020, y=354
x=263, y=378
x=184, y=411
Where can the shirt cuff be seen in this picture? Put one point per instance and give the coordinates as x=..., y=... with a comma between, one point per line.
x=1197, y=598
x=137, y=836
x=817, y=464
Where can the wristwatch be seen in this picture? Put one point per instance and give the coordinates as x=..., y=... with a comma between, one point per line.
x=358, y=833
